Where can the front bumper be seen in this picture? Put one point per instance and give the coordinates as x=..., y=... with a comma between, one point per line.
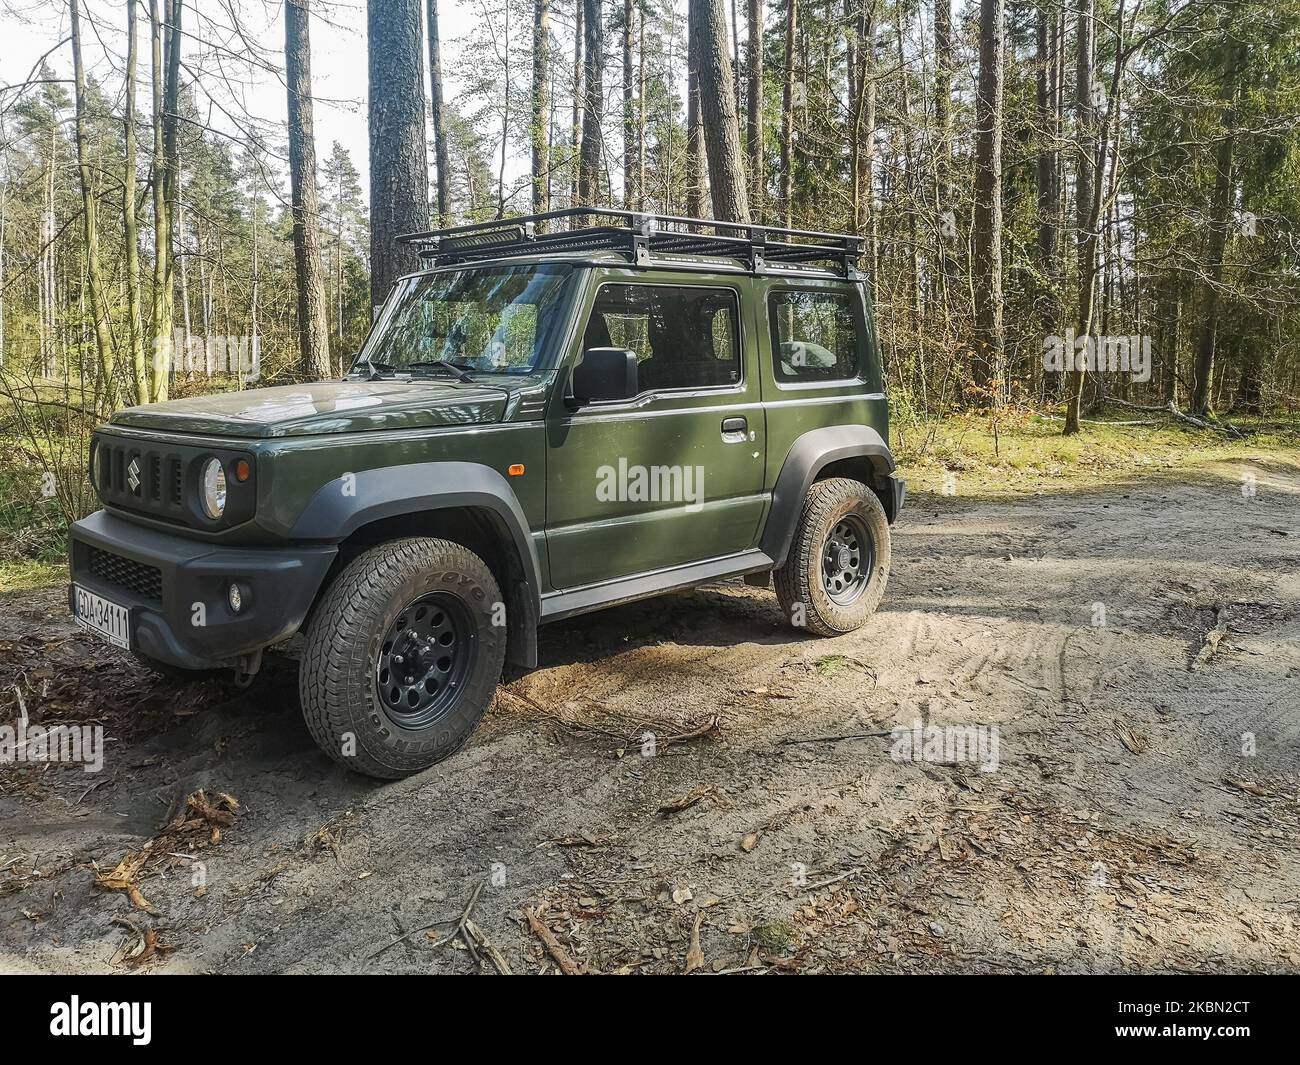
x=176, y=589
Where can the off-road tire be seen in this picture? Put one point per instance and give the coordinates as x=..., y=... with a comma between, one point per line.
x=800, y=586
x=337, y=683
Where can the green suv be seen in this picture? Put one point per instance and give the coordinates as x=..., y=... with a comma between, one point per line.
x=559, y=413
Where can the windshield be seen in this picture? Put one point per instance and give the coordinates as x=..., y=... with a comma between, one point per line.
x=488, y=320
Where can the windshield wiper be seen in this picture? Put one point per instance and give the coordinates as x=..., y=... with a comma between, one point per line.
x=442, y=364
x=374, y=371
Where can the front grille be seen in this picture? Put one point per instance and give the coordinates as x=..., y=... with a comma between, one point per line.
x=145, y=581
x=142, y=478
x=158, y=479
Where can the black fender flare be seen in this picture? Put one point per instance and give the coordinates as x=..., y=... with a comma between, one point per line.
x=352, y=500
x=808, y=456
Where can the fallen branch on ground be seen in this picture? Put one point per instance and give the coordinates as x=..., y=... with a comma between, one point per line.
x=459, y=930
x=561, y=957
x=835, y=739
x=495, y=956
x=1212, y=638
x=1174, y=412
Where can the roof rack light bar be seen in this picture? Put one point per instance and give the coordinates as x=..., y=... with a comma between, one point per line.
x=639, y=235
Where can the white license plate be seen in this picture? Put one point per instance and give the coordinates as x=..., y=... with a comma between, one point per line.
x=96, y=614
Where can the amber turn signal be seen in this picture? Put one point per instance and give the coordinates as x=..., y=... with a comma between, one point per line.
x=243, y=471
x=516, y=469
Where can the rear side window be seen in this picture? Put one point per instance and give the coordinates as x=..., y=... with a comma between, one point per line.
x=683, y=337
x=814, y=335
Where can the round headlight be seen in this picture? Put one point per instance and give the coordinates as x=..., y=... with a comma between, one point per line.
x=213, y=494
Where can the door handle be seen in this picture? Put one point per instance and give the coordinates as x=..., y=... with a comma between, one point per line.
x=732, y=426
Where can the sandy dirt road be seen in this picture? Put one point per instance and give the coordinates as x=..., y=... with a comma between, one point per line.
x=1138, y=815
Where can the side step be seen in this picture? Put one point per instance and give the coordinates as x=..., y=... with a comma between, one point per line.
x=557, y=605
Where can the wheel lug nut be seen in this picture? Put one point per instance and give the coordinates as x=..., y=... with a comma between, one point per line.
x=397, y=659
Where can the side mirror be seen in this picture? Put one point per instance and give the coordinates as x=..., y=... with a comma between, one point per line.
x=605, y=373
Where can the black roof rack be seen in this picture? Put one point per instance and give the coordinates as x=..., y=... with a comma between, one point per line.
x=647, y=239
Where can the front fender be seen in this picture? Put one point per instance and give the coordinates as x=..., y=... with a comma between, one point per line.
x=353, y=500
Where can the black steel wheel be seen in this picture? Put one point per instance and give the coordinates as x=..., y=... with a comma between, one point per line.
x=424, y=659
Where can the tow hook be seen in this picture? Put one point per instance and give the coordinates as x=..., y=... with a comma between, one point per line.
x=247, y=668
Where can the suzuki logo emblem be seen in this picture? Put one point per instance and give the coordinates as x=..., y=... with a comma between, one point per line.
x=133, y=476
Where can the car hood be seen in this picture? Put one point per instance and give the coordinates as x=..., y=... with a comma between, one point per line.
x=323, y=407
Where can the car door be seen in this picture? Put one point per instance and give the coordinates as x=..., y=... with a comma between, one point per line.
x=675, y=474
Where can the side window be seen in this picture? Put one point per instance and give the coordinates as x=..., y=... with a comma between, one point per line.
x=684, y=338
x=814, y=335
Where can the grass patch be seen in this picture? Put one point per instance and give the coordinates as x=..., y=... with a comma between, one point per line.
x=776, y=937
x=829, y=665
x=28, y=576
x=959, y=455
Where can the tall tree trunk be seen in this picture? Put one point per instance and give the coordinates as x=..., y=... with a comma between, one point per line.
x=944, y=201
x=254, y=329
x=593, y=104
x=441, y=158
x=718, y=103
x=1048, y=170
x=988, y=368
x=48, y=346
x=696, y=160
x=165, y=41
x=205, y=303
x=541, y=106
x=183, y=274
x=579, y=33
x=45, y=273
x=754, y=109
x=1048, y=161
x=640, y=114
x=862, y=135
x=943, y=72
x=313, y=321
x=90, y=232
x=1170, y=337
x=1220, y=219
x=506, y=97
x=338, y=271
x=399, y=175
x=130, y=229
x=4, y=220
x=909, y=185
x=1086, y=183
x=787, y=114
x=1251, y=391
x=629, y=113
x=735, y=64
